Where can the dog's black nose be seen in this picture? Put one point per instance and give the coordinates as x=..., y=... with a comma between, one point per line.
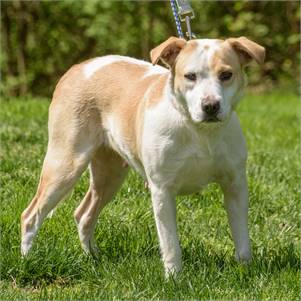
x=211, y=107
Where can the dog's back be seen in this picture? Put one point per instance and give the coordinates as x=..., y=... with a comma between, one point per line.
x=89, y=92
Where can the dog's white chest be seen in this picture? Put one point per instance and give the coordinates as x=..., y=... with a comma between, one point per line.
x=196, y=171
x=192, y=166
x=186, y=163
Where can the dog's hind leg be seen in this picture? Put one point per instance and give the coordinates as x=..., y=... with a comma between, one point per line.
x=58, y=176
x=72, y=143
x=107, y=173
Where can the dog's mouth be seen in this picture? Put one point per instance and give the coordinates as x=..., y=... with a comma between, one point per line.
x=202, y=119
x=211, y=119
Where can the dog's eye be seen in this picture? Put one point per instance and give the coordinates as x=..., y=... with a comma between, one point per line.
x=191, y=76
x=226, y=75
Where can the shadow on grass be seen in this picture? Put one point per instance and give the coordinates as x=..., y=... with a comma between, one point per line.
x=65, y=264
x=264, y=261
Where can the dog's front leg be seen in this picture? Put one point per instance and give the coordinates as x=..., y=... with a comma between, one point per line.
x=164, y=206
x=236, y=203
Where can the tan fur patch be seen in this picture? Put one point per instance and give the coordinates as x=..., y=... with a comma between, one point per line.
x=156, y=91
x=189, y=48
x=178, y=72
x=66, y=82
x=167, y=51
x=120, y=88
x=247, y=50
x=226, y=59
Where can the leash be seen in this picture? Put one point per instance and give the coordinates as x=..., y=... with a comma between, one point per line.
x=183, y=12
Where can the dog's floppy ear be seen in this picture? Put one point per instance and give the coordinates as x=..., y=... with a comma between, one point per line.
x=167, y=51
x=247, y=50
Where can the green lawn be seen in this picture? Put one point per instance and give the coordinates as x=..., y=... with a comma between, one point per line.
x=129, y=266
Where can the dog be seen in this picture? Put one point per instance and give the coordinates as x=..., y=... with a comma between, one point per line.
x=176, y=126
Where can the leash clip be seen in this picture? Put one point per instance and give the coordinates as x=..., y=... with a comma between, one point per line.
x=186, y=13
x=184, y=10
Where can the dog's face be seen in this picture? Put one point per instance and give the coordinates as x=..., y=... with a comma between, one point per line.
x=208, y=77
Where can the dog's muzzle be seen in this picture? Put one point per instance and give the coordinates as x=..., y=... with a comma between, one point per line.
x=211, y=108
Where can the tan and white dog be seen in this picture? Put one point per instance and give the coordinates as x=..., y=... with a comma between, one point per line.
x=176, y=127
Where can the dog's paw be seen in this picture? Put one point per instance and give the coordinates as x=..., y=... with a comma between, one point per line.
x=91, y=249
x=25, y=247
x=172, y=271
x=244, y=257
x=95, y=252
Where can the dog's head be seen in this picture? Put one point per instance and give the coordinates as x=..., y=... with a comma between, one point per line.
x=208, y=75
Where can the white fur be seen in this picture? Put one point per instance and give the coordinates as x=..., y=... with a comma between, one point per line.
x=100, y=62
x=153, y=70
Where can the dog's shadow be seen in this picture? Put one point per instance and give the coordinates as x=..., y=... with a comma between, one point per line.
x=264, y=261
x=123, y=248
x=199, y=256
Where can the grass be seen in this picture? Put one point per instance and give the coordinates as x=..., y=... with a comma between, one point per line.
x=129, y=266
